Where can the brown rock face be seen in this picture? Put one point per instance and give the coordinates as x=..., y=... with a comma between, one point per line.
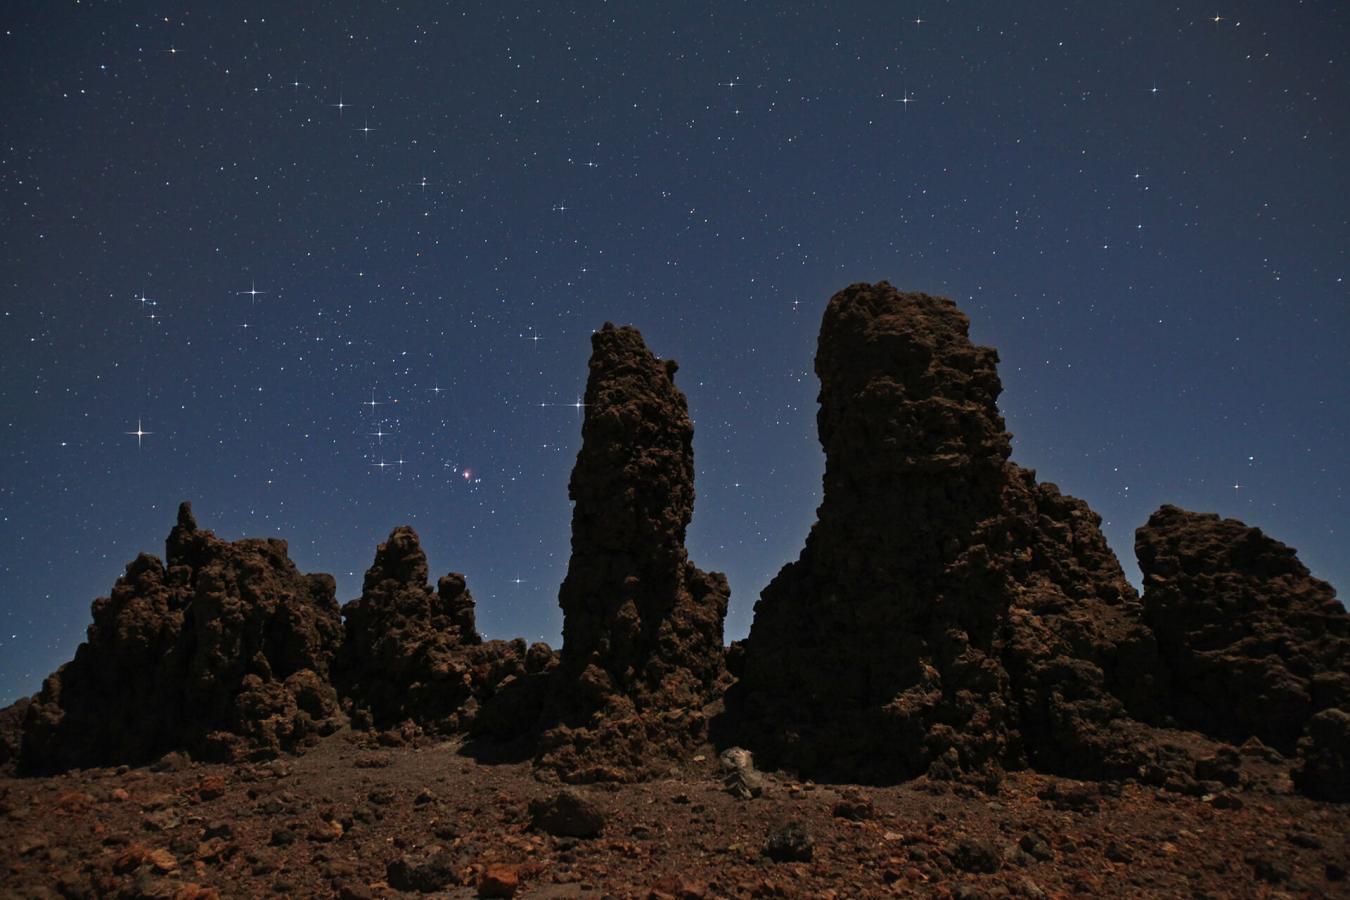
x=223, y=652
x=948, y=614
x=412, y=653
x=642, y=627
x=1255, y=644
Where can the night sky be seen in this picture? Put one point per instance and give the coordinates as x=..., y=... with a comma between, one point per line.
x=339, y=268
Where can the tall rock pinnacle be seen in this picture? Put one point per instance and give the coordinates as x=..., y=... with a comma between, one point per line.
x=642, y=627
x=948, y=614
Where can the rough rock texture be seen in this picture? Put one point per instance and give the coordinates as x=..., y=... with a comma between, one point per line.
x=1255, y=644
x=642, y=627
x=11, y=733
x=1323, y=769
x=412, y=654
x=948, y=614
x=223, y=652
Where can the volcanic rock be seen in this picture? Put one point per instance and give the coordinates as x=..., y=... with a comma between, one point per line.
x=1255, y=644
x=223, y=652
x=412, y=653
x=948, y=614
x=567, y=814
x=642, y=627
x=1323, y=769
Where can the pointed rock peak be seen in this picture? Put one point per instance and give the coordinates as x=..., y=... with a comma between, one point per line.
x=186, y=521
x=399, y=558
x=186, y=545
x=642, y=627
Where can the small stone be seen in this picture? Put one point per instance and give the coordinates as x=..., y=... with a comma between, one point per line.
x=211, y=787
x=1034, y=844
x=130, y=859
x=427, y=875
x=1267, y=869
x=162, y=860
x=675, y=887
x=120, y=795
x=976, y=855
x=791, y=842
x=567, y=814
x=499, y=881
x=854, y=807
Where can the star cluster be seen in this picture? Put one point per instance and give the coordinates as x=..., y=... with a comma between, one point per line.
x=327, y=271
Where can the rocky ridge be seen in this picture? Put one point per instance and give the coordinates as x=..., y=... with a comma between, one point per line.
x=949, y=617
x=223, y=649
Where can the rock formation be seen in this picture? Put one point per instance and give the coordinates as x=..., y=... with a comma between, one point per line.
x=948, y=614
x=642, y=627
x=412, y=654
x=1256, y=646
x=223, y=651
x=1323, y=769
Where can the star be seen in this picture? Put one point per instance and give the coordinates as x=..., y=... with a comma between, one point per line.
x=437, y=390
x=140, y=433
x=372, y=402
x=379, y=434
x=560, y=208
x=906, y=100
x=381, y=465
x=339, y=106
x=253, y=293
x=366, y=130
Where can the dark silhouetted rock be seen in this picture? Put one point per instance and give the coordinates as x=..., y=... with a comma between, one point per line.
x=223, y=652
x=567, y=814
x=1255, y=644
x=425, y=874
x=412, y=654
x=948, y=614
x=1323, y=769
x=791, y=842
x=642, y=627
x=11, y=733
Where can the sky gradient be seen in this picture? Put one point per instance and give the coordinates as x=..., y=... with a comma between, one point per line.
x=339, y=268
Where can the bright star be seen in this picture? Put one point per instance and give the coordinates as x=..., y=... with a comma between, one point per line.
x=140, y=433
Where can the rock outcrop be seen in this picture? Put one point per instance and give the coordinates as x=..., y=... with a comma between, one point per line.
x=412, y=657
x=948, y=614
x=642, y=646
x=1256, y=645
x=1323, y=768
x=222, y=651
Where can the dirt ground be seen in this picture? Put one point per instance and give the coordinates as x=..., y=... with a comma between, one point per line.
x=355, y=819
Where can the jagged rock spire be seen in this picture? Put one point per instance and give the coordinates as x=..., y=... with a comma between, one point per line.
x=642, y=627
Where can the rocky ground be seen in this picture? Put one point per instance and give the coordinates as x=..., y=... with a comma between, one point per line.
x=354, y=818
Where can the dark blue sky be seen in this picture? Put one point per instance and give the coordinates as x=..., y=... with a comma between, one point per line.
x=1143, y=207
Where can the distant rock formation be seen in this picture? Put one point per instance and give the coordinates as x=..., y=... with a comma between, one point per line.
x=948, y=614
x=642, y=627
x=223, y=652
x=1323, y=768
x=1255, y=644
x=412, y=655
